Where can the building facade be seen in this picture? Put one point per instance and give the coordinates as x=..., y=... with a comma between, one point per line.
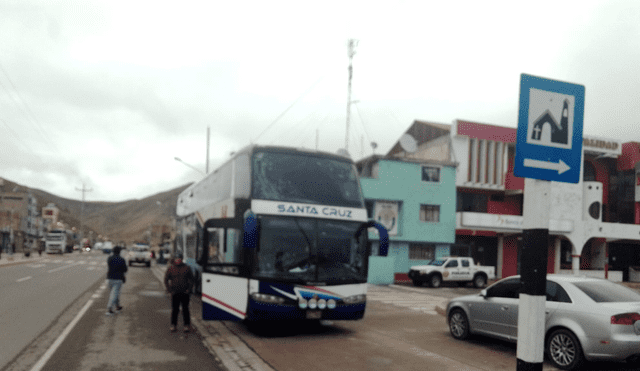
x=414, y=200
x=19, y=221
x=594, y=225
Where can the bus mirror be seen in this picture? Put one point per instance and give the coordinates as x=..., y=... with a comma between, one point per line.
x=384, y=237
x=250, y=238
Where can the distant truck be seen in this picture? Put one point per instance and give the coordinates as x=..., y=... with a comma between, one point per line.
x=451, y=269
x=58, y=241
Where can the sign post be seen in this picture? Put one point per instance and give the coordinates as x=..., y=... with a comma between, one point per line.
x=548, y=148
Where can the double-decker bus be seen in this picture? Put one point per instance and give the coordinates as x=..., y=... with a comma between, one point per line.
x=278, y=233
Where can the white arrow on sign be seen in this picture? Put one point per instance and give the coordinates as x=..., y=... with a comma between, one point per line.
x=561, y=167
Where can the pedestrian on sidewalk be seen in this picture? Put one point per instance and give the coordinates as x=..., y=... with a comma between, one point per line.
x=178, y=279
x=115, y=275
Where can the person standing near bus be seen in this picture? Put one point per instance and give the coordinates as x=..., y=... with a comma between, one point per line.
x=179, y=280
x=115, y=275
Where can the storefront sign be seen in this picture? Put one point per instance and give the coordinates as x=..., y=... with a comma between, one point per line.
x=601, y=145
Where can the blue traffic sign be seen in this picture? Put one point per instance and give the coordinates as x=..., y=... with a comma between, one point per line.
x=549, y=138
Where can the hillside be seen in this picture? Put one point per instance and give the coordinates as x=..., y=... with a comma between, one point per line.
x=120, y=221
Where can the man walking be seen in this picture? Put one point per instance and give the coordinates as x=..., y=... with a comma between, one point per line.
x=115, y=275
x=179, y=280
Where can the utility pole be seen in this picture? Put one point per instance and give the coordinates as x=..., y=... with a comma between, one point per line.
x=83, y=190
x=351, y=44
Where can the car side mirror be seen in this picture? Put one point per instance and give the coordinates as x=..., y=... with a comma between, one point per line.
x=483, y=293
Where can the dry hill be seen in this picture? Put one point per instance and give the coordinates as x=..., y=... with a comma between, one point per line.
x=120, y=221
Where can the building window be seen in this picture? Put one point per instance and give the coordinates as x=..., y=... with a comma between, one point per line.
x=431, y=174
x=421, y=251
x=474, y=202
x=430, y=213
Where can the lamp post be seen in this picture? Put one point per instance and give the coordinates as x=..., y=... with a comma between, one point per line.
x=193, y=167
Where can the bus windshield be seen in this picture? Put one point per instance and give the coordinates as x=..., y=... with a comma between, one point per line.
x=281, y=176
x=305, y=250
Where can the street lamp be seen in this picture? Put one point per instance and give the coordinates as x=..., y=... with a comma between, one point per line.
x=193, y=167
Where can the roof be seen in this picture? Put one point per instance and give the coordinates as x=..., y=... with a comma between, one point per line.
x=486, y=131
x=422, y=132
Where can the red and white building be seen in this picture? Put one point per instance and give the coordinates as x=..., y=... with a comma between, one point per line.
x=591, y=223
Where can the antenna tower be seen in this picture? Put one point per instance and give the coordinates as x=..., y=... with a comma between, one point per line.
x=351, y=44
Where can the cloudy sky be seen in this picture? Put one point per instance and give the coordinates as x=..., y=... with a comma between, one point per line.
x=108, y=93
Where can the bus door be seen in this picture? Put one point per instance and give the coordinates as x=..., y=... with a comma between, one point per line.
x=224, y=282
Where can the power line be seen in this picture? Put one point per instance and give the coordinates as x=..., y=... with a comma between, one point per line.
x=22, y=105
x=26, y=146
x=288, y=108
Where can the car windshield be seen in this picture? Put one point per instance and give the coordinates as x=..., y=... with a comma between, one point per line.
x=607, y=292
x=310, y=250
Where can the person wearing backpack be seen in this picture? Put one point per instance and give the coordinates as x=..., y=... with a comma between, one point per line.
x=179, y=280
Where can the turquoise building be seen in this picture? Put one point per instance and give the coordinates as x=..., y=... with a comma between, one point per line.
x=416, y=201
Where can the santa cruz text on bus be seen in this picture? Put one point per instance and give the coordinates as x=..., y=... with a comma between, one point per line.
x=313, y=210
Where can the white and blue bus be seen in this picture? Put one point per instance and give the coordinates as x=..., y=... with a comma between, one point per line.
x=278, y=233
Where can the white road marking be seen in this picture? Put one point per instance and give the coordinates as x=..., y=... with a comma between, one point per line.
x=52, y=349
x=36, y=265
x=61, y=268
x=24, y=279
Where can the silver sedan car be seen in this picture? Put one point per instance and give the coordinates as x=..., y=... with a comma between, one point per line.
x=586, y=318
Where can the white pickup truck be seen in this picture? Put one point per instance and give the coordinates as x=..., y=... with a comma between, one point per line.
x=451, y=269
x=139, y=253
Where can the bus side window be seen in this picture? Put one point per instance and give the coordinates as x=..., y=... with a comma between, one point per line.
x=216, y=254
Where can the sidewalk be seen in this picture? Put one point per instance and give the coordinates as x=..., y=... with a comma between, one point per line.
x=234, y=354
x=19, y=258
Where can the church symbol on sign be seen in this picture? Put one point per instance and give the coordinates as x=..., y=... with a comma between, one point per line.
x=547, y=130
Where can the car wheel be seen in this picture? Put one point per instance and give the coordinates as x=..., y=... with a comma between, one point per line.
x=459, y=324
x=564, y=350
x=148, y=264
x=435, y=281
x=479, y=281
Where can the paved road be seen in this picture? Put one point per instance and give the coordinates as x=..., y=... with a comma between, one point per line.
x=401, y=331
x=35, y=295
x=138, y=338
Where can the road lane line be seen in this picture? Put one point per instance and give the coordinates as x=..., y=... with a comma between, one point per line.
x=52, y=349
x=24, y=279
x=61, y=268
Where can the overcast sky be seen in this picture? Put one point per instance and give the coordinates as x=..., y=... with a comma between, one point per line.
x=107, y=93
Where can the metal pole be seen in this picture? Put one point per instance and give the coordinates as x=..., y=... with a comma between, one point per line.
x=83, y=190
x=532, y=302
x=351, y=52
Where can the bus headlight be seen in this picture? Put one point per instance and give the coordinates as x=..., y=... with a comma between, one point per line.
x=322, y=304
x=355, y=299
x=313, y=303
x=331, y=304
x=268, y=299
x=302, y=303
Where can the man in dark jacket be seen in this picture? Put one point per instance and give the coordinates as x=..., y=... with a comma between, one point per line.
x=115, y=275
x=179, y=280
